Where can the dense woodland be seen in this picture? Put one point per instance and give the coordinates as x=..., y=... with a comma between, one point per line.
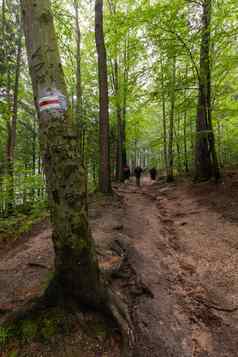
x=88, y=87
x=169, y=70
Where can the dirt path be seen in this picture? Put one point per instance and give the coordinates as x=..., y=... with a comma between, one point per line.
x=26, y=269
x=186, y=255
x=180, y=270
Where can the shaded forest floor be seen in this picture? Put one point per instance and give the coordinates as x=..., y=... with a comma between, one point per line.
x=171, y=251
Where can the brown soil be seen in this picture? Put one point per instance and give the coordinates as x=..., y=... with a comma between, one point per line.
x=172, y=254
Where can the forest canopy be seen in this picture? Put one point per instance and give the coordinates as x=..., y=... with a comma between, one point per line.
x=161, y=57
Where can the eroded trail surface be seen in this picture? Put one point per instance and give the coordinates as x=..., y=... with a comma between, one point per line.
x=186, y=256
x=171, y=251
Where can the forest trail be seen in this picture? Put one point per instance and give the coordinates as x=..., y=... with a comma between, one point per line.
x=180, y=276
x=186, y=256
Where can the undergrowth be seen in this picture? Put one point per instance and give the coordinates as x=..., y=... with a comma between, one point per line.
x=51, y=326
x=14, y=226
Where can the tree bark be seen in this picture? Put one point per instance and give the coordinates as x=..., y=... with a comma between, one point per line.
x=164, y=119
x=170, y=175
x=12, y=129
x=76, y=266
x=119, y=126
x=104, y=172
x=177, y=137
x=206, y=163
x=124, y=101
x=79, y=102
x=117, y=94
x=185, y=142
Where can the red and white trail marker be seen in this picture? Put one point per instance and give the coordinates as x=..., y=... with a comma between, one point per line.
x=50, y=102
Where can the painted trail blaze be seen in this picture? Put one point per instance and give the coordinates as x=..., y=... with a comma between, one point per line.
x=49, y=103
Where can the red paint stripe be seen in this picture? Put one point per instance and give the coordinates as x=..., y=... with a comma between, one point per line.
x=46, y=102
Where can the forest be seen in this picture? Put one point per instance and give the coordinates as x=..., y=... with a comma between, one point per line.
x=95, y=262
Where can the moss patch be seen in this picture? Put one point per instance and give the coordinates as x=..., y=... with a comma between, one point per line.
x=61, y=329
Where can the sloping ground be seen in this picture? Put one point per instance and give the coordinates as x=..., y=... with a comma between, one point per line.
x=186, y=255
x=171, y=251
x=25, y=271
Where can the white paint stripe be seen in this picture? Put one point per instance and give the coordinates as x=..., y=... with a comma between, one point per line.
x=44, y=99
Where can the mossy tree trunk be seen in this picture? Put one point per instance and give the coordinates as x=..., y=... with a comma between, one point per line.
x=77, y=271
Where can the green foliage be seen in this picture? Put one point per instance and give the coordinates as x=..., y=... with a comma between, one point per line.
x=14, y=226
x=29, y=330
x=49, y=277
x=4, y=336
x=29, y=193
x=49, y=328
x=143, y=37
x=13, y=354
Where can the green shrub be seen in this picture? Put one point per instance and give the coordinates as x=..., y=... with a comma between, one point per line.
x=4, y=336
x=29, y=330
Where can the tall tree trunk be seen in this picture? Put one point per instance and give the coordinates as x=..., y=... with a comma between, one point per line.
x=119, y=126
x=170, y=175
x=185, y=142
x=34, y=140
x=79, y=103
x=219, y=142
x=206, y=164
x=77, y=272
x=104, y=174
x=177, y=136
x=117, y=94
x=124, y=101
x=12, y=130
x=164, y=118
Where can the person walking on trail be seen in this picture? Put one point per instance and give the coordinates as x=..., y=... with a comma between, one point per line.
x=126, y=172
x=138, y=171
x=153, y=173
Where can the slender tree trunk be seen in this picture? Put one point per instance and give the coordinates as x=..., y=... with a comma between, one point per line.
x=206, y=164
x=124, y=101
x=119, y=126
x=170, y=176
x=104, y=174
x=185, y=142
x=164, y=118
x=177, y=135
x=34, y=139
x=79, y=103
x=117, y=94
x=77, y=272
x=219, y=142
x=12, y=131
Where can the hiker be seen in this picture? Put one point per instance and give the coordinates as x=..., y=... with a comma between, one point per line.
x=137, y=172
x=126, y=172
x=153, y=173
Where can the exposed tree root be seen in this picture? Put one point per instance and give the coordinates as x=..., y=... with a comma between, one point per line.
x=119, y=311
x=214, y=306
x=111, y=303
